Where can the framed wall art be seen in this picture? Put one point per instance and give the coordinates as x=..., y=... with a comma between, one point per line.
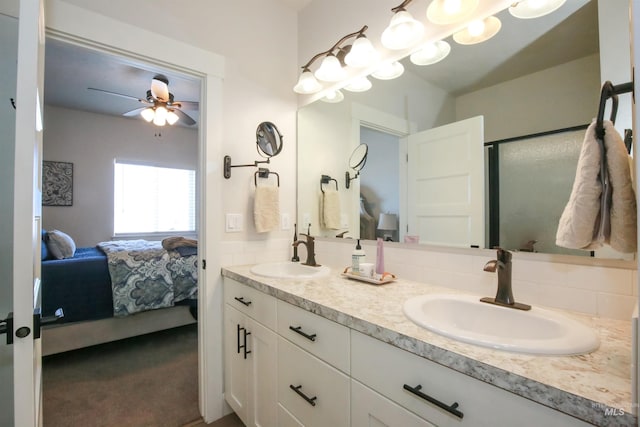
x=57, y=183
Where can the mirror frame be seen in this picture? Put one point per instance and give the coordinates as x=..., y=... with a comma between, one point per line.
x=269, y=132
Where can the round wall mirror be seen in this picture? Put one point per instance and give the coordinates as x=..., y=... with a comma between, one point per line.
x=358, y=157
x=356, y=162
x=268, y=139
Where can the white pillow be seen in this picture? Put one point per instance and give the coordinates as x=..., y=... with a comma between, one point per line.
x=60, y=244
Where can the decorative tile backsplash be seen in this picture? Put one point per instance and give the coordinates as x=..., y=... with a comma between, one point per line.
x=594, y=290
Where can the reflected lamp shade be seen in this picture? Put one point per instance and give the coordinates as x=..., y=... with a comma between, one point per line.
x=444, y=12
x=528, y=9
x=387, y=222
x=389, y=71
x=160, y=119
x=333, y=97
x=360, y=84
x=403, y=31
x=478, y=31
x=431, y=53
x=148, y=114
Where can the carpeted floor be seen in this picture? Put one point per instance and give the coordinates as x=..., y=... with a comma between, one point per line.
x=151, y=380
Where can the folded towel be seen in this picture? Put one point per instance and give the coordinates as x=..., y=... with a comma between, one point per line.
x=266, y=208
x=178, y=242
x=602, y=205
x=331, y=209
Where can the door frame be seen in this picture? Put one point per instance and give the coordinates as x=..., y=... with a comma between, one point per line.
x=73, y=24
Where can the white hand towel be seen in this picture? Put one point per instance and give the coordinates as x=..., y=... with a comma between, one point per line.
x=266, y=208
x=590, y=218
x=331, y=209
x=578, y=220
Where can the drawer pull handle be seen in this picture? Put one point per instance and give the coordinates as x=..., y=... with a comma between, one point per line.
x=242, y=301
x=449, y=408
x=310, y=400
x=298, y=330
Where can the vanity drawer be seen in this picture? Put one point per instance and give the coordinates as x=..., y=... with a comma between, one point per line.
x=319, y=336
x=253, y=303
x=387, y=370
x=316, y=394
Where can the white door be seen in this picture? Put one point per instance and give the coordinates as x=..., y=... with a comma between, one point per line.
x=27, y=210
x=446, y=184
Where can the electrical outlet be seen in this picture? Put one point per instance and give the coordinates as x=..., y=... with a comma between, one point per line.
x=285, y=221
x=344, y=220
x=233, y=223
x=306, y=221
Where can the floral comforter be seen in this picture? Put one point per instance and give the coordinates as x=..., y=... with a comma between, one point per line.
x=144, y=276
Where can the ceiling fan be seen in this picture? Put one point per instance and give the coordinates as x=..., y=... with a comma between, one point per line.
x=159, y=104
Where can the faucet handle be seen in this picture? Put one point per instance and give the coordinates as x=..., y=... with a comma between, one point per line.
x=503, y=255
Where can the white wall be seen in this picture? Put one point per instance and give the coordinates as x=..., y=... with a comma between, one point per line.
x=258, y=40
x=92, y=142
x=539, y=106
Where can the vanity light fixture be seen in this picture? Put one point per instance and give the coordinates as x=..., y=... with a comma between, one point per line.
x=159, y=115
x=389, y=71
x=527, y=9
x=403, y=31
x=478, y=31
x=444, y=12
x=431, y=53
x=360, y=54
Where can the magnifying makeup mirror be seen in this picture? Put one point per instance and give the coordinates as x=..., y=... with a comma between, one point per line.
x=268, y=139
x=356, y=162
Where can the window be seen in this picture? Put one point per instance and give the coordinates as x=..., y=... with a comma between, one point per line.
x=151, y=199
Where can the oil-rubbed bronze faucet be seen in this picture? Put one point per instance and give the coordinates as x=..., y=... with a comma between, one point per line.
x=310, y=244
x=504, y=296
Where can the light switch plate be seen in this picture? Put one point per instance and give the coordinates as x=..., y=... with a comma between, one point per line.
x=233, y=223
x=285, y=221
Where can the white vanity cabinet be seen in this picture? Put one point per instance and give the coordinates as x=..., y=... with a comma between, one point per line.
x=441, y=395
x=250, y=354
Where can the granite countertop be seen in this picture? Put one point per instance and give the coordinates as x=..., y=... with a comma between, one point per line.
x=584, y=386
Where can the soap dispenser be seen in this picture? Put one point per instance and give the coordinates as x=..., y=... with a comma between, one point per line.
x=357, y=258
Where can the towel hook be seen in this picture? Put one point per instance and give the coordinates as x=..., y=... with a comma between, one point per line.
x=264, y=173
x=610, y=91
x=325, y=180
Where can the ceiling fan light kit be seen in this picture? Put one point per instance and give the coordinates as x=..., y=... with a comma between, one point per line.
x=159, y=105
x=404, y=33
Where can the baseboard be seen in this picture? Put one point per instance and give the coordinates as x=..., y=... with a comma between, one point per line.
x=72, y=336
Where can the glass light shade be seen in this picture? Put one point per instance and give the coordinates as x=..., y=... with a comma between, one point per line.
x=172, y=117
x=478, y=31
x=333, y=97
x=148, y=114
x=362, y=53
x=160, y=118
x=361, y=84
x=307, y=83
x=389, y=70
x=403, y=31
x=431, y=53
x=527, y=9
x=387, y=221
x=444, y=12
x=330, y=70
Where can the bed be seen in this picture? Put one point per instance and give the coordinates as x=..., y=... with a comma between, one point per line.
x=115, y=290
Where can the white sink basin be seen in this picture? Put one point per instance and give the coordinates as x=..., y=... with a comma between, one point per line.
x=290, y=270
x=536, y=331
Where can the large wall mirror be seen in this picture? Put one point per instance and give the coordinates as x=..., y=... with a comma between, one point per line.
x=530, y=91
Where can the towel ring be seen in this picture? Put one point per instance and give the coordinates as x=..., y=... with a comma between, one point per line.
x=325, y=180
x=264, y=173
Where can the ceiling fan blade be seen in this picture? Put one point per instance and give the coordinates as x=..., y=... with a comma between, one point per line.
x=188, y=105
x=118, y=94
x=186, y=119
x=160, y=89
x=135, y=112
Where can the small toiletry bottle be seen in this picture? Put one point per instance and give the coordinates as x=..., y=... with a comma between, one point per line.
x=356, y=258
x=380, y=257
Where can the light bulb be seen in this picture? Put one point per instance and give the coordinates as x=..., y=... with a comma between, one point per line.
x=445, y=12
x=172, y=117
x=330, y=69
x=148, y=114
x=478, y=31
x=475, y=28
x=451, y=7
x=362, y=53
x=160, y=118
x=307, y=84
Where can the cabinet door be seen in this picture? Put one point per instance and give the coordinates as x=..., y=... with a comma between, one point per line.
x=370, y=409
x=263, y=401
x=236, y=372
